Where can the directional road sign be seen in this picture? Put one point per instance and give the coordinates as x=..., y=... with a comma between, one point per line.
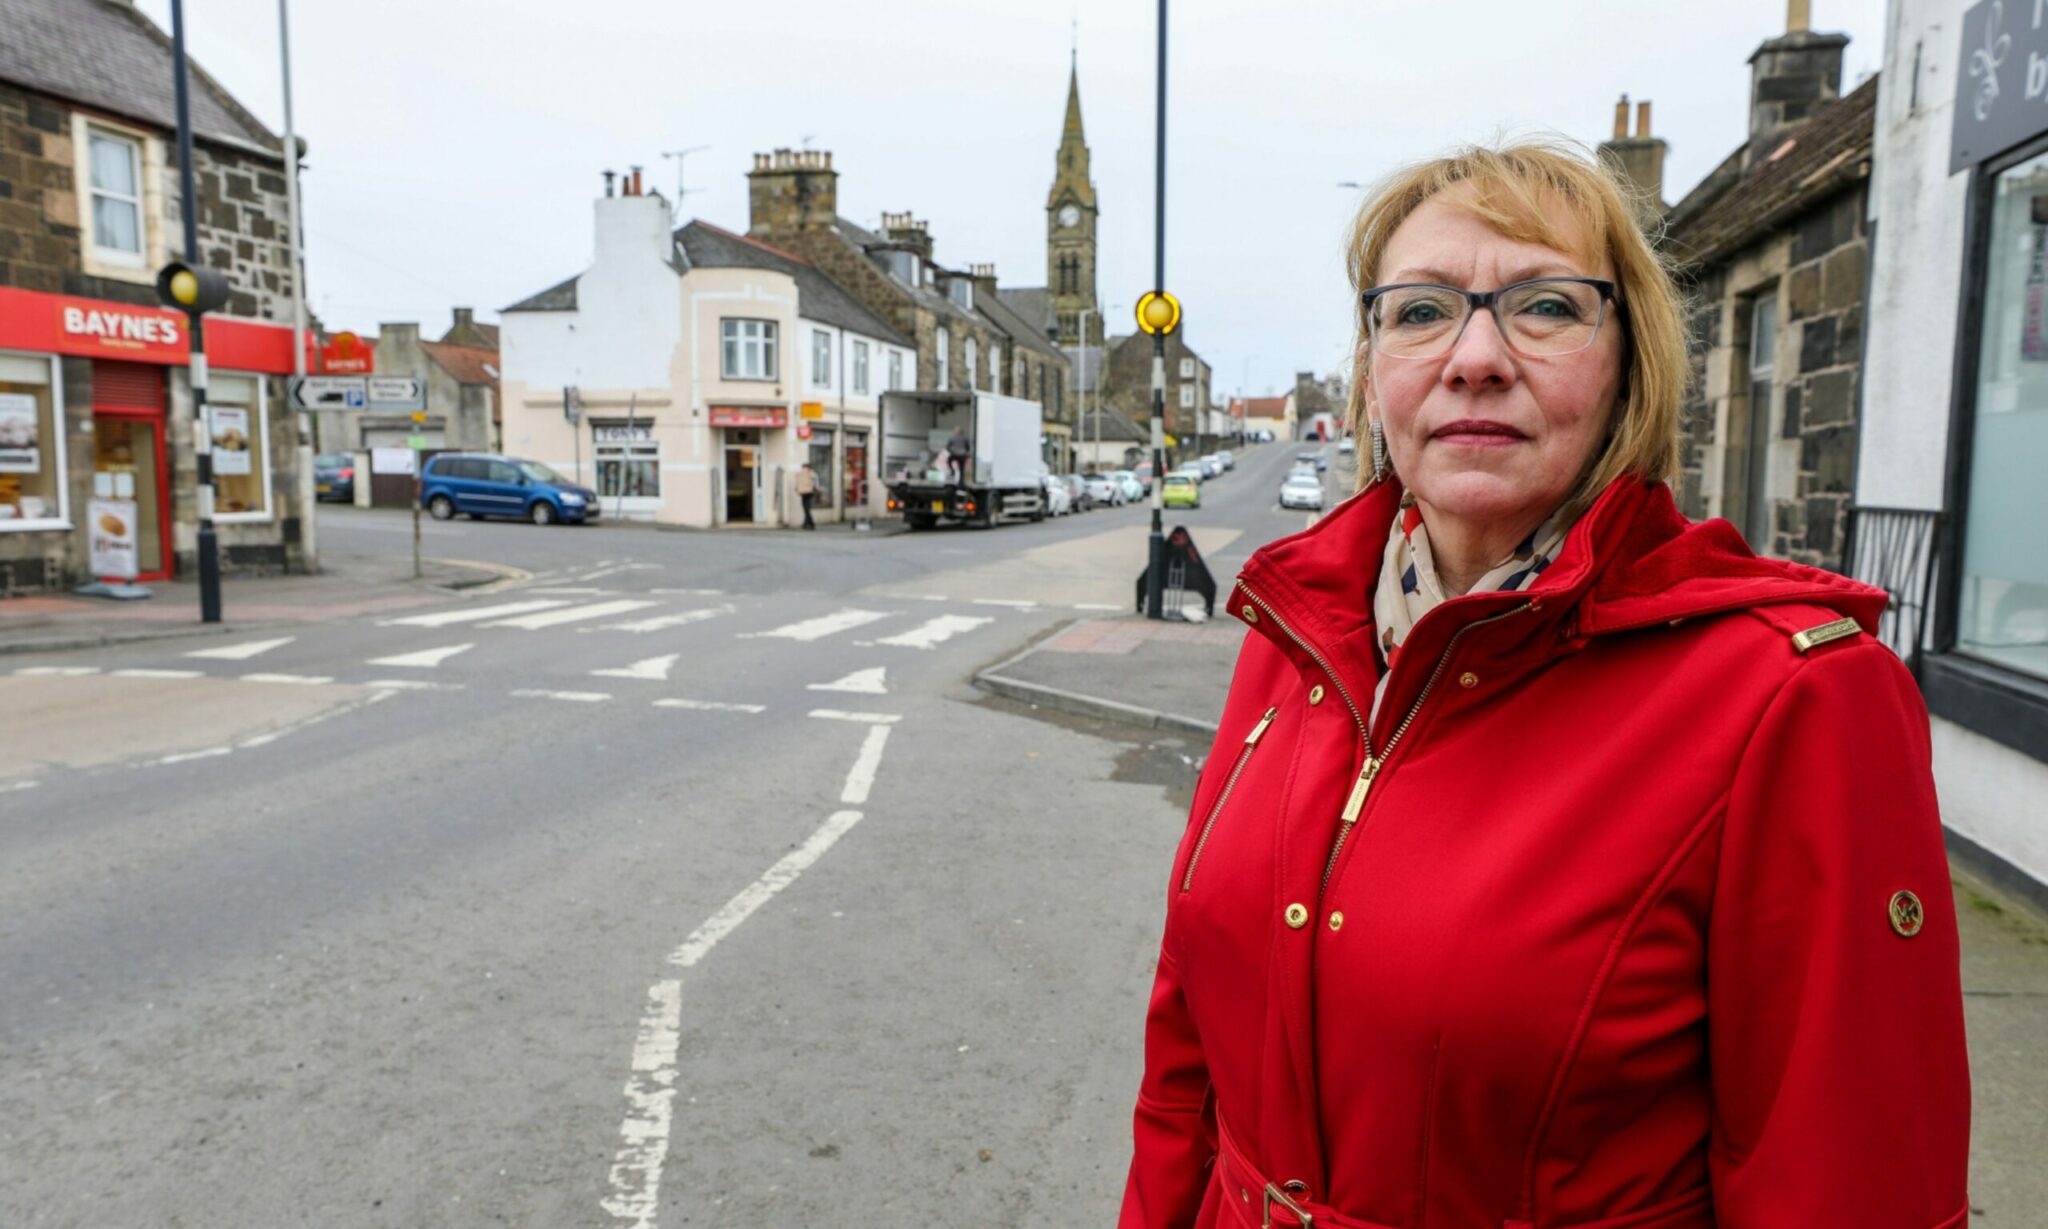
x=397, y=393
x=328, y=392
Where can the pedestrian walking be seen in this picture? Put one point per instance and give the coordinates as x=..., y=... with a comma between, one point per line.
x=806, y=492
x=1559, y=862
x=958, y=450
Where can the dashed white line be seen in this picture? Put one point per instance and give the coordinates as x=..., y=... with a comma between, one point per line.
x=424, y=659
x=711, y=706
x=689, y=592
x=58, y=671
x=860, y=682
x=1096, y=606
x=1012, y=603
x=573, y=697
x=931, y=634
x=820, y=627
x=655, y=668
x=575, y=614
x=244, y=651
x=141, y=673
x=302, y=679
x=184, y=756
x=662, y=622
x=574, y=592
x=650, y=1095
x=411, y=685
x=17, y=786
x=442, y=618
x=838, y=714
x=862, y=778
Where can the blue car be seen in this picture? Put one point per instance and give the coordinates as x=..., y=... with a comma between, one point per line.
x=480, y=485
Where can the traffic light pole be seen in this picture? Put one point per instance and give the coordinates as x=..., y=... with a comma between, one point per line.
x=1155, y=580
x=202, y=434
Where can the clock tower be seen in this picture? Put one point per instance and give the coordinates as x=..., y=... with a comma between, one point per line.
x=1070, y=230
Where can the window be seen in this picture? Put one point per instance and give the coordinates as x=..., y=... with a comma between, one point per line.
x=1753, y=451
x=241, y=446
x=628, y=462
x=1020, y=379
x=961, y=291
x=821, y=359
x=820, y=461
x=1187, y=369
x=860, y=367
x=895, y=369
x=748, y=349
x=973, y=354
x=856, y=468
x=2002, y=595
x=945, y=344
x=116, y=167
x=32, y=491
x=898, y=264
x=1187, y=396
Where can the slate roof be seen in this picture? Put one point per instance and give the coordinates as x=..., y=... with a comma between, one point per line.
x=1017, y=327
x=560, y=297
x=1030, y=302
x=1822, y=157
x=925, y=296
x=1116, y=426
x=108, y=55
x=818, y=297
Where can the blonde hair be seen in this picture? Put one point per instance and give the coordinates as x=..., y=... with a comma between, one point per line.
x=1510, y=188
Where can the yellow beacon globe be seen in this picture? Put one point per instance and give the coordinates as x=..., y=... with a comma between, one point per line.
x=1158, y=312
x=185, y=287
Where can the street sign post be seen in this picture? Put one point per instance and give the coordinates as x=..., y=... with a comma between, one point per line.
x=396, y=392
x=328, y=392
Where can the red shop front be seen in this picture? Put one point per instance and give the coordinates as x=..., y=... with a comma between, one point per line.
x=123, y=412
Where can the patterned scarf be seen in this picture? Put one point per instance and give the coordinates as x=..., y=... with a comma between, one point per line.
x=1408, y=587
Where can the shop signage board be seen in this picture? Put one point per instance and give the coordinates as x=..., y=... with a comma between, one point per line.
x=396, y=393
x=2002, y=89
x=96, y=328
x=347, y=355
x=623, y=435
x=749, y=416
x=812, y=409
x=112, y=538
x=21, y=446
x=394, y=460
x=328, y=392
x=230, y=434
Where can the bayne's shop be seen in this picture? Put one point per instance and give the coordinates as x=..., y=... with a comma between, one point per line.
x=96, y=409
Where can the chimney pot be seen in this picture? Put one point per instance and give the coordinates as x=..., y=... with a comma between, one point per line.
x=1643, y=120
x=608, y=177
x=1798, y=16
x=1621, y=119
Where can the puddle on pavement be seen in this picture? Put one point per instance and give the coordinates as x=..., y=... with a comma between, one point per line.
x=1170, y=761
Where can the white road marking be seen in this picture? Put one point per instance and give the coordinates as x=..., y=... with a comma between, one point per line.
x=309, y=679
x=822, y=626
x=443, y=618
x=650, y=1095
x=689, y=592
x=575, y=614
x=862, y=777
x=933, y=597
x=656, y=668
x=63, y=671
x=662, y=622
x=207, y=754
x=574, y=697
x=762, y=890
x=424, y=659
x=1012, y=603
x=711, y=706
x=861, y=682
x=140, y=673
x=1096, y=606
x=603, y=572
x=839, y=714
x=412, y=685
x=243, y=652
x=17, y=786
x=573, y=592
x=931, y=634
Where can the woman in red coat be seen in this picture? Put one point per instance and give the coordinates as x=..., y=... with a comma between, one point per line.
x=1560, y=863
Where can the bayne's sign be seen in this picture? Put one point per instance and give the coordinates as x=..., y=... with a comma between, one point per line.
x=749, y=416
x=96, y=328
x=2002, y=85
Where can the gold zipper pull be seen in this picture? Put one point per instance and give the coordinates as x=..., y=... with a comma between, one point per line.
x=1259, y=730
x=1359, y=788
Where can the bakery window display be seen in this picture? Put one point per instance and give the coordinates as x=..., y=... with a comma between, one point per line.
x=30, y=490
x=241, y=466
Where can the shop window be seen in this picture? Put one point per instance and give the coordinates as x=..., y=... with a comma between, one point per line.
x=116, y=167
x=820, y=461
x=627, y=467
x=860, y=368
x=241, y=451
x=821, y=359
x=856, y=469
x=747, y=349
x=31, y=445
x=2002, y=608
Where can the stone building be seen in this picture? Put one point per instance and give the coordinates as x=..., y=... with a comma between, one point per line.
x=793, y=202
x=461, y=372
x=94, y=400
x=1773, y=246
x=1127, y=387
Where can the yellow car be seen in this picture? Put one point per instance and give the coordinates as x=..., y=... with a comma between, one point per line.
x=1180, y=491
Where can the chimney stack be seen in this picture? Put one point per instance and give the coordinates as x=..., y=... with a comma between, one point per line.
x=1791, y=77
x=790, y=191
x=608, y=177
x=1639, y=159
x=906, y=231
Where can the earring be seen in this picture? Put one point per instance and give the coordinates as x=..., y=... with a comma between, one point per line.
x=1379, y=450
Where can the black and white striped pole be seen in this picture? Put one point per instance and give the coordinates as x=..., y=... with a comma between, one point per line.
x=1158, y=314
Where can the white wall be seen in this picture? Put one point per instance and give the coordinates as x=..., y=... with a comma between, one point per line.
x=628, y=317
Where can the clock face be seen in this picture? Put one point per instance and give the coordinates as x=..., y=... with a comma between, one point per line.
x=1070, y=215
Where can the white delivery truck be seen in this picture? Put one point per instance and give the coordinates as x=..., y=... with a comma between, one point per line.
x=1005, y=473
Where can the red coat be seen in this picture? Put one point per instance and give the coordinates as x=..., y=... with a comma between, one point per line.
x=1611, y=939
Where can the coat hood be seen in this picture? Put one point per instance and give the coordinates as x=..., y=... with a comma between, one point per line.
x=1632, y=561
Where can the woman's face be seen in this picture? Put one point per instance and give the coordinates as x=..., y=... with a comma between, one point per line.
x=1481, y=432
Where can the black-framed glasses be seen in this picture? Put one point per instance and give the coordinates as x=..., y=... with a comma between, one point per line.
x=1542, y=317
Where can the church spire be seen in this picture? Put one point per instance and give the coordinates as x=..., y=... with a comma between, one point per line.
x=1072, y=131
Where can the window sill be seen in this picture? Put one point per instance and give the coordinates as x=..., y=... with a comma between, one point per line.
x=2003, y=705
x=48, y=524
x=751, y=379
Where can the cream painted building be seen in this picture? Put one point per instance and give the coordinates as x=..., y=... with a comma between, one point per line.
x=707, y=368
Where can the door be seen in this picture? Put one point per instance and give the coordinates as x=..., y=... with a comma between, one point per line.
x=503, y=490
x=128, y=463
x=740, y=472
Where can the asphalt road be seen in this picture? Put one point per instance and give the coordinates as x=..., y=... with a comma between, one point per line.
x=686, y=881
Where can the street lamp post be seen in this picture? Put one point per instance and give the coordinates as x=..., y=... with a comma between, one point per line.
x=202, y=441
x=1087, y=376
x=1155, y=579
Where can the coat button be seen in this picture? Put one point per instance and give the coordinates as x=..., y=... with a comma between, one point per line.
x=1468, y=679
x=1907, y=915
x=1315, y=694
x=1336, y=919
x=1297, y=915
x=1251, y=614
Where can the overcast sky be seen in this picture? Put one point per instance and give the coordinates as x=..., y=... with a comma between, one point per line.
x=455, y=145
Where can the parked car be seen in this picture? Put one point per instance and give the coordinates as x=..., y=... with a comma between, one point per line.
x=1347, y=446
x=1144, y=474
x=1181, y=491
x=1192, y=469
x=1315, y=458
x=1077, y=493
x=1212, y=466
x=1228, y=458
x=1302, y=490
x=1059, y=501
x=1134, y=490
x=483, y=484
x=334, y=477
x=1103, y=489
